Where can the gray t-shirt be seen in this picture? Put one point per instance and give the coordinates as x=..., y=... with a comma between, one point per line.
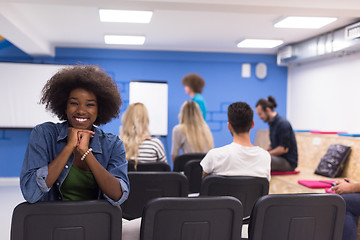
x=179, y=141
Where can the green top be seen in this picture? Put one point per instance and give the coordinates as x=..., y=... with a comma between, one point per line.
x=79, y=185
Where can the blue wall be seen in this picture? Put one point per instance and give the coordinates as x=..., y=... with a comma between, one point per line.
x=221, y=71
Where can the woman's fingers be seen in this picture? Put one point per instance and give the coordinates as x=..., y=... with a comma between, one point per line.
x=80, y=138
x=72, y=137
x=84, y=139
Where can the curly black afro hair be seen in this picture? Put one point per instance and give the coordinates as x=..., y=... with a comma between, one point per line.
x=56, y=91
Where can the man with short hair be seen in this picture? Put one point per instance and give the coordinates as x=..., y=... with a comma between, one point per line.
x=283, y=148
x=239, y=158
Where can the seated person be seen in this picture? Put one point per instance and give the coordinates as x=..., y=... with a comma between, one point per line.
x=192, y=135
x=194, y=85
x=139, y=145
x=350, y=192
x=74, y=159
x=239, y=158
x=283, y=148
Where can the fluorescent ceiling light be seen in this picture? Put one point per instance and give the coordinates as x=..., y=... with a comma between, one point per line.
x=259, y=43
x=126, y=40
x=304, y=22
x=109, y=15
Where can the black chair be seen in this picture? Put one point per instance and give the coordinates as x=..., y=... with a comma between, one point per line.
x=193, y=171
x=297, y=216
x=203, y=218
x=246, y=189
x=149, y=167
x=145, y=186
x=87, y=220
x=180, y=160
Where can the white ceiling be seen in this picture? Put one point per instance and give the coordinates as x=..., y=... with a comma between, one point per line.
x=38, y=26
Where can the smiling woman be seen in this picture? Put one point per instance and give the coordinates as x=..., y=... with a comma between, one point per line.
x=76, y=160
x=81, y=109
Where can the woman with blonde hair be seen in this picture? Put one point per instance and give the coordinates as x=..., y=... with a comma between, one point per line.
x=139, y=145
x=192, y=135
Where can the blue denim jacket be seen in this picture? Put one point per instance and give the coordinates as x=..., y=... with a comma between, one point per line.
x=47, y=140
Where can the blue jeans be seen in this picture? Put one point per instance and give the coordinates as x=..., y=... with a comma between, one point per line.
x=352, y=214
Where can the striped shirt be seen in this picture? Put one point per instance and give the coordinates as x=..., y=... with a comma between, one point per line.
x=151, y=150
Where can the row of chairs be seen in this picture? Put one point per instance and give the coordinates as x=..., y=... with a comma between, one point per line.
x=188, y=163
x=274, y=217
x=179, y=164
x=191, y=218
x=145, y=186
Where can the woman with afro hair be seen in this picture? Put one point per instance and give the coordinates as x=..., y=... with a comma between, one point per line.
x=75, y=159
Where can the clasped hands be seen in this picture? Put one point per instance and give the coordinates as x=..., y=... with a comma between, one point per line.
x=79, y=139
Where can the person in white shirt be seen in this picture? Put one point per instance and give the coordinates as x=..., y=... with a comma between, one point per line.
x=239, y=158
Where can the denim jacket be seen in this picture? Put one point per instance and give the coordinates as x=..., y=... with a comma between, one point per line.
x=47, y=140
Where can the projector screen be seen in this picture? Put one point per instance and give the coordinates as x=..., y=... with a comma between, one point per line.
x=20, y=93
x=154, y=95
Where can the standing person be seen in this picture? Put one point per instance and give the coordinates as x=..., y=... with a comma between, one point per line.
x=74, y=159
x=194, y=85
x=139, y=145
x=192, y=135
x=283, y=148
x=350, y=192
x=239, y=158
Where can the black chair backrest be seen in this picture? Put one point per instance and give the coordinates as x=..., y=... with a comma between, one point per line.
x=246, y=189
x=297, y=216
x=193, y=171
x=149, y=167
x=180, y=160
x=145, y=186
x=205, y=218
x=88, y=220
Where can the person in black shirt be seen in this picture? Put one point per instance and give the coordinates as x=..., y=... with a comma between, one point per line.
x=283, y=149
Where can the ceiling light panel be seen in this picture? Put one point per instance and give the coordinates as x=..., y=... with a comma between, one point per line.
x=259, y=43
x=125, y=16
x=125, y=40
x=304, y=22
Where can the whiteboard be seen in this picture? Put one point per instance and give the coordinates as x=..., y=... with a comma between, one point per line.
x=20, y=93
x=154, y=95
x=324, y=95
